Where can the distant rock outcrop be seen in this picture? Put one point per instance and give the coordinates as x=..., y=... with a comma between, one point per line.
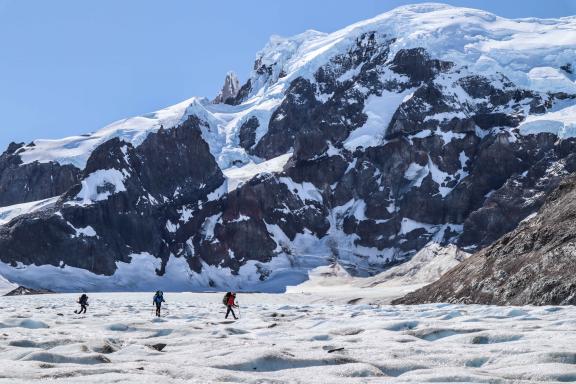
x=229, y=90
x=24, y=291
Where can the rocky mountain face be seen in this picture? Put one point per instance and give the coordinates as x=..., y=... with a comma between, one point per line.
x=21, y=183
x=534, y=264
x=120, y=205
x=361, y=146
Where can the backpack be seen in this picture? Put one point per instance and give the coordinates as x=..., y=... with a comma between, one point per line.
x=225, y=298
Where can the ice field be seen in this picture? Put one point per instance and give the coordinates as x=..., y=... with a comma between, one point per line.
x=288, y=338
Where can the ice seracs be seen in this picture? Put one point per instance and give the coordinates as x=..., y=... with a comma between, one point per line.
x=561, y=123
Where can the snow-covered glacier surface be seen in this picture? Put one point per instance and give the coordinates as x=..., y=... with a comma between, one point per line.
x=289, y=338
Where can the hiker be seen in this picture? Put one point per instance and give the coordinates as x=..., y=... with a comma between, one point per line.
x=83, y=301
x=158, y=300
x=230, y=302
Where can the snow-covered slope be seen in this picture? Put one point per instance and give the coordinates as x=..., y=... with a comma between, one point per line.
x=77, y=149
x=10, y=212
x=6, y=286
x=423, y=268
x=220, y=132
x=237, y=175
x=527, y=51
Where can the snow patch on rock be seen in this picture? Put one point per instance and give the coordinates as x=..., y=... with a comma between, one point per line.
x=12, y=211
x=561, y=123
x=236, y=176
x=100, y=185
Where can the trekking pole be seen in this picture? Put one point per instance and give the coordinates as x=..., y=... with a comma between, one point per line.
x=239, y=314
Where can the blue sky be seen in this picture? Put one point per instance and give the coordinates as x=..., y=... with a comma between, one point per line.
x=69, y=67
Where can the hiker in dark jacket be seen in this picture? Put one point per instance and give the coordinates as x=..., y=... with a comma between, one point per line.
x=230, y=303
x=158, y=300
x=83, y=301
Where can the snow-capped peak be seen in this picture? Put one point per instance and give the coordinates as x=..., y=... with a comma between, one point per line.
x=526, y=51
x=466, y=36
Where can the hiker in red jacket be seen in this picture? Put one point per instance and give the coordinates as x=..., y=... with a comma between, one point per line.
x=230, y=303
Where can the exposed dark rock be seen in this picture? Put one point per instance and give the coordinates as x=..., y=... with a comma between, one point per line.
x=292, y=117
x=307, y=125
x=242, y=94
x=159, y=347
x=127, y=221
x=410, y=117
x=540, y=164
x=23, y=291
x=229, y=90
x=534, y=264
x=247, y=133
x=181, y=151
x=22, y=183
x=417, y=65
x=240, y=231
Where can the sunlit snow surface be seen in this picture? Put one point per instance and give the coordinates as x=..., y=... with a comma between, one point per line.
x=281, y=339
x=12, y=211
x=238, y=175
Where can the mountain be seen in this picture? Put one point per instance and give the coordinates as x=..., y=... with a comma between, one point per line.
x=426, y=124
x=534, y=264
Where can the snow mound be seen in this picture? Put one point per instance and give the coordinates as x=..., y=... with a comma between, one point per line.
x=325, y=279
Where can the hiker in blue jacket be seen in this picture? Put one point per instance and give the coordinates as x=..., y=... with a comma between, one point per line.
x=158, y=300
